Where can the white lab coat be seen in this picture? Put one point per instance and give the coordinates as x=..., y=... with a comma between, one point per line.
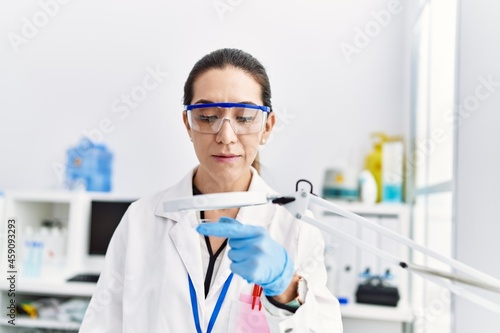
x=144, y=285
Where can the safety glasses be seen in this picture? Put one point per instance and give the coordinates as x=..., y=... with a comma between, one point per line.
x=243, y=118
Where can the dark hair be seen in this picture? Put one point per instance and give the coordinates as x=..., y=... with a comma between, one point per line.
x=222, y=58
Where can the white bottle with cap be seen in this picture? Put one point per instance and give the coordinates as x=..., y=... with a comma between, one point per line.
x=28, y=252
x=57, y=248
x=367, y=187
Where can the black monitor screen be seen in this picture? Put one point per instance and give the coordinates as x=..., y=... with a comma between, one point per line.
x=104, y=218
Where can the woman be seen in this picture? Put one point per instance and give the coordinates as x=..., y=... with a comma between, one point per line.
x=164, y=275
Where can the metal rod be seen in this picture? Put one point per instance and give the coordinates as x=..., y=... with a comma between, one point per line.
x=406, y=241
x=479, y=300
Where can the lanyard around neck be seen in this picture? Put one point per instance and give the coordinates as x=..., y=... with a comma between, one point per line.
x=215, y=313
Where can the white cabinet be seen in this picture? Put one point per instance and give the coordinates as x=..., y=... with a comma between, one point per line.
x=36, y=289
x=44, y=274
x=345, y=263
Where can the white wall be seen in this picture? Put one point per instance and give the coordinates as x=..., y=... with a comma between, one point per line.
x=477, y=180
x=65, y=79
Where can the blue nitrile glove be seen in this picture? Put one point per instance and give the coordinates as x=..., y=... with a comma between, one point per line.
x=255, y=256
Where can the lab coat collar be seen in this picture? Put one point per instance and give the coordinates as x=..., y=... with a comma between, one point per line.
x=182, y=189
x=254, y=215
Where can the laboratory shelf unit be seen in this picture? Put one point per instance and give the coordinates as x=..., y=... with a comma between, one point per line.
x=30, y=292
x=376, y=312
x=83, y=289
x=345, y=264
x=31, y=212
x=24, y=323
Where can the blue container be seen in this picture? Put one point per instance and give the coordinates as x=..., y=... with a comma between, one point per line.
x=89, y=164
x=392, y=193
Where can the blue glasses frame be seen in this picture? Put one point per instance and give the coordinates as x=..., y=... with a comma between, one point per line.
x=266, y=109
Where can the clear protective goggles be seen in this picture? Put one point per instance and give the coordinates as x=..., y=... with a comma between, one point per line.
x=243, y=118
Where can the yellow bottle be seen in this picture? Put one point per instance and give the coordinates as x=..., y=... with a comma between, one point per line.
x=373, y=161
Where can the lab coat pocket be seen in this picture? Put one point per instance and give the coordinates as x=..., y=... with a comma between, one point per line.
x=244, y=319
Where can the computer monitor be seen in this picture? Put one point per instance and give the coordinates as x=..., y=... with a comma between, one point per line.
x=104, y=218
x=103, y=215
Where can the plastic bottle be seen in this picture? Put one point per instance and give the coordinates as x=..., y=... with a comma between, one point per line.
x=32, y=254
x=373, y=161
x=28, y=252
x=38, y=247
x=56, y=248
x=392, y=170
x=43, y=245
x=367, y=188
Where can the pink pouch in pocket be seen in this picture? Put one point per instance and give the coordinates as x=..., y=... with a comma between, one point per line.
x=251, y=320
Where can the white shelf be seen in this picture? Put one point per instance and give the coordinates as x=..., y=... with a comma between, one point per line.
x=62, y=196
x=42, y=323
x=42, y=196
x=60, y=288
x=376, y=312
